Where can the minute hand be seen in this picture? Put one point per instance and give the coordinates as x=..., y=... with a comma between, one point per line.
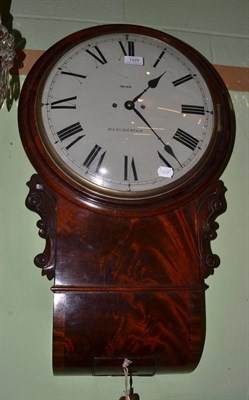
x=152, y=84
x=167, y=147
x=147, y=123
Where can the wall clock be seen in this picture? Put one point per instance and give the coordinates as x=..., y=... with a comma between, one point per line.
x=129, y=130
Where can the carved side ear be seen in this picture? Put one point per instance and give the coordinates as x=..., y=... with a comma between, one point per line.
x=211, y=205
x=43, y=201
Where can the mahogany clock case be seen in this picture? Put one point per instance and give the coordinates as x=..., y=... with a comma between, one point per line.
x=129, y=273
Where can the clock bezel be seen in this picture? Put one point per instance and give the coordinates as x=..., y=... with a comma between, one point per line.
x=210, y=166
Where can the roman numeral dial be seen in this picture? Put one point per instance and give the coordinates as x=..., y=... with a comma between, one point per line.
x=74, y=74
x=127, y=112
x=186, y=139
x=159, y=58
x=95, y=158
x=128, y=49
x=182, y=80
x=67, y=103
x=97, y=54
x=191, y=109
x=164, y=160
x=69, y=131
x=130, y=172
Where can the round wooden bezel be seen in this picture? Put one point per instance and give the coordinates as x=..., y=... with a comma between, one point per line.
x=184, y=189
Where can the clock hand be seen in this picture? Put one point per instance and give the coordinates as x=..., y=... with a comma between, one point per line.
x=146, y=123
x=152, y=84
x=169, y=150
x=130, y=106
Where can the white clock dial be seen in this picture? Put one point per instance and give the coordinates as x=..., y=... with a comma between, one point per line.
x=126, y=114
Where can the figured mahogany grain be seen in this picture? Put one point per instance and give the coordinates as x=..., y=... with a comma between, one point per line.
x=105, y=250
x=127, y=288
x=128, y=273
x=165, y=329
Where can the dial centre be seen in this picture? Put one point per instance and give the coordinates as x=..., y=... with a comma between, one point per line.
x=129, y=105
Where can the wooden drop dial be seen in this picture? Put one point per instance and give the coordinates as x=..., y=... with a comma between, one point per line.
x=129, y=276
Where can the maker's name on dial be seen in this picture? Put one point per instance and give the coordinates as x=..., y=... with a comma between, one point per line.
x=125, y=130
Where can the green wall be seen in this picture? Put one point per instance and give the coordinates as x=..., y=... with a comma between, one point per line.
x=219, y=29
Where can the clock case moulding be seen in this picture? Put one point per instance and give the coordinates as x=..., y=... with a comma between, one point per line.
x=129, y=276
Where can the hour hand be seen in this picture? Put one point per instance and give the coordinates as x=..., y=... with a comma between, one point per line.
x=152, y=84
